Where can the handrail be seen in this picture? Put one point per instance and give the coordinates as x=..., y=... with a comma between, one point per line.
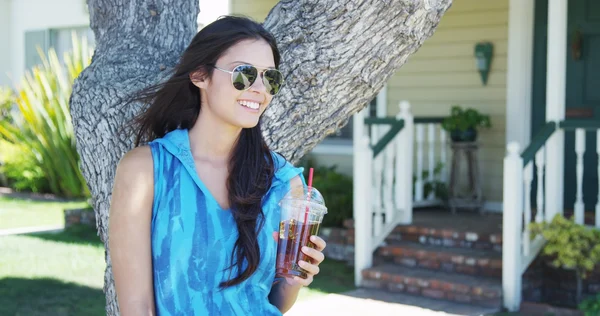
x=432, y=119
x=397, y=125
x=538, y=141
x=570, y=124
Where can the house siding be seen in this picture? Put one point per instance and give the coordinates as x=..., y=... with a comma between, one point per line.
x=256, y=9
x=443, y=73
x=39, y=15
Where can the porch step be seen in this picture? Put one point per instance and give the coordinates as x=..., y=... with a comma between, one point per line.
x=481, y=291
x=447, y=237
x=439, y=258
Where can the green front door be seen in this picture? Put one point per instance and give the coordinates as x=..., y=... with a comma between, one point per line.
x=582, y=90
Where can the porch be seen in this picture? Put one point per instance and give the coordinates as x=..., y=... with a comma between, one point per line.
x=550, y=167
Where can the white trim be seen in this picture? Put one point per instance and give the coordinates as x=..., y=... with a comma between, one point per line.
x=556, y=75
x=519, y=71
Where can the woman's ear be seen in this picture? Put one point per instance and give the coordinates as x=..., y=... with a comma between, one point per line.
x=199, y=79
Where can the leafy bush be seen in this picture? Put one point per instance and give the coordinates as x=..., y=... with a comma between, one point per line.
x=337, y=191
x=570, y=246
x=591, y=306
x=38, y=146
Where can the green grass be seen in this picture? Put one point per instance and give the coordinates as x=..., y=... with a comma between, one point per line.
x=334, y=277
x=16, y=213
x=52, y=274
x=63, y=274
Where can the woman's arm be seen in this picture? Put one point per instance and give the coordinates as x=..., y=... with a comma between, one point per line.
x=129, y=232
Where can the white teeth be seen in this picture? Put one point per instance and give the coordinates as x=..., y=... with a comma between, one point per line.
x=249, y=104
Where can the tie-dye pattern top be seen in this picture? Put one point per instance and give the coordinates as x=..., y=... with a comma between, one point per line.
x=193, y=238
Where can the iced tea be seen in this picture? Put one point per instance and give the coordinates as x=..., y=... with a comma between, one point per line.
x=293, y=235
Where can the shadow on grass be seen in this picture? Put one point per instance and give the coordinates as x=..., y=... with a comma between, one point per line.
x=334, y=277
x=77, y=234
x=35, y=297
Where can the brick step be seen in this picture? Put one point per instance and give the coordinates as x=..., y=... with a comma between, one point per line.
x=454, y=235
x=447, y=237
x=479, y=291
x=453, y=260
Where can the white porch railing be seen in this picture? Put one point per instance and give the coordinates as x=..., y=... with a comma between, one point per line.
x=383, y=175
x=431, y=150
x=382, y=183
x=519, y=248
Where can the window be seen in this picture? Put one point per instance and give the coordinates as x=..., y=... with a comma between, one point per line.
x=59, y=39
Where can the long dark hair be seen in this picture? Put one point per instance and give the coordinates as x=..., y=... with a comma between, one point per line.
x=176, y=104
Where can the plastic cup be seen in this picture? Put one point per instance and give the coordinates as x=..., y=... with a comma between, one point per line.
x=301, y=217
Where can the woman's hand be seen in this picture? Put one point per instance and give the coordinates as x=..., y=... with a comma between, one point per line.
x=316, y=257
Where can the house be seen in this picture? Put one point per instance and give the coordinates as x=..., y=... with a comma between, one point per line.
x=26, y=24
x=539, y=159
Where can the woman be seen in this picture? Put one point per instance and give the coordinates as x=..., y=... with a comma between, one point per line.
x=194, y=215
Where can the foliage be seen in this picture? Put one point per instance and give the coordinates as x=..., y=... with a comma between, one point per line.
x=439, y=188
x=591, y=306
x=40, y=143
x=463, y=119
x=337, y=190
x=7, y=99
x=570, y=245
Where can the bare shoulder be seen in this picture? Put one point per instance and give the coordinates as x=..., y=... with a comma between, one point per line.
x=134, y=181
x=136, y=162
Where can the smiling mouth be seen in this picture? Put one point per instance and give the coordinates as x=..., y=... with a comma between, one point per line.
x=249, y=104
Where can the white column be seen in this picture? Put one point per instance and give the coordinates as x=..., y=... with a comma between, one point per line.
x=579, y=207
x=555, y=104
x=404, y=164
x=519, y=71
x=512, y=227
x=363, y=254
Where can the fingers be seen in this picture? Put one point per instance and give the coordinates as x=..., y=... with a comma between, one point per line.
x=314, y=254
x=276, y=236
x=310, y=268
x=319, y=242
x=304, y=282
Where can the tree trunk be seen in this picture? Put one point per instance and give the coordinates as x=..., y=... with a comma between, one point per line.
x=337, y=56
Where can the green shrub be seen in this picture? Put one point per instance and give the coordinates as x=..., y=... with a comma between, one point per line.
x=591, y=306
x=337, y=191
x=38, y=146
x=570, y=246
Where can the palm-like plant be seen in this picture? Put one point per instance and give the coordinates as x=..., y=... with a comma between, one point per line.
x=40, y=143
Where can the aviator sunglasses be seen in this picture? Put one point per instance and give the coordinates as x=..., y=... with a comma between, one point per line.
x=244, y=76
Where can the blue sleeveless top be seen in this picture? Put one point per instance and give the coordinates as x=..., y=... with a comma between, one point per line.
x=193, y=238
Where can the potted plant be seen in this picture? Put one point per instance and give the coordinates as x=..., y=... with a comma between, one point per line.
x=570, y=246
x=463, y=123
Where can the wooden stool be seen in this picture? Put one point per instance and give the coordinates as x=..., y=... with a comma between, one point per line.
x=474, y=199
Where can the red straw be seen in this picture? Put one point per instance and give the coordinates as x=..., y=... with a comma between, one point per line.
x=310, y=178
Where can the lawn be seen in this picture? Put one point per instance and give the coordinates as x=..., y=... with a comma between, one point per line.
x=52, y=274
x=16, y=213
x=62, y=274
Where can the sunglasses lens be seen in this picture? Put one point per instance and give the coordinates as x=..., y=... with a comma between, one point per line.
x=273, y=81
x=244, y=76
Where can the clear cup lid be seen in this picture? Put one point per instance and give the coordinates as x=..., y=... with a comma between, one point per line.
x=301, y=194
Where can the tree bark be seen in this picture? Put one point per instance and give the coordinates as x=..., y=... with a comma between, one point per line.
x=336, y=56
